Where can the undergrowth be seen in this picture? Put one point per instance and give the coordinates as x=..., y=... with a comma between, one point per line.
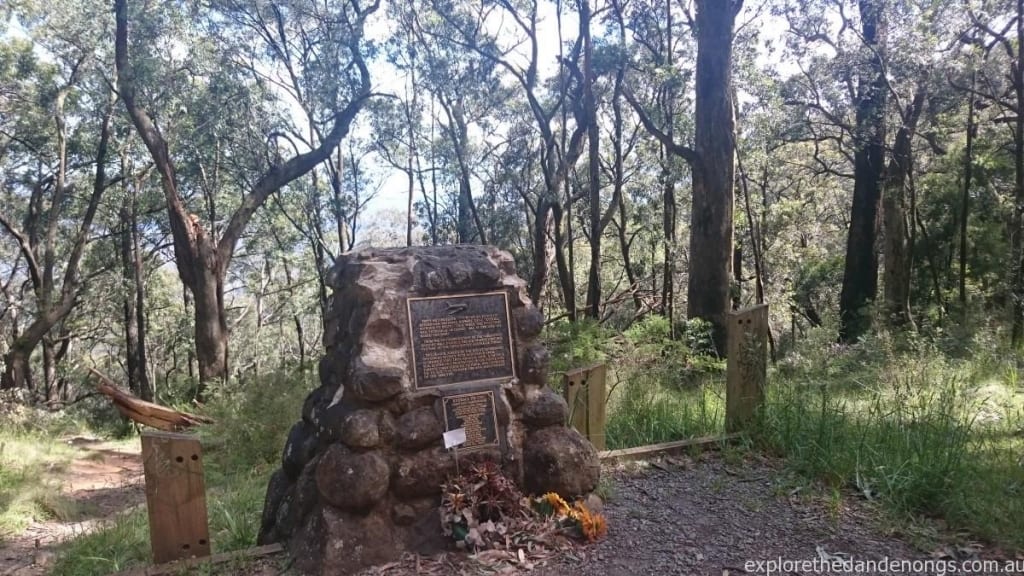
x=904, y=424
x=28, y=492
x=33, y=453
x=659, y=388
x=240, y=452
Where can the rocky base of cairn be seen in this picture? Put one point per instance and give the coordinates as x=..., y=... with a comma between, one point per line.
x=361, y=473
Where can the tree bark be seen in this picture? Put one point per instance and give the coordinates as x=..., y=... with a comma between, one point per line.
x=711, y=220
x=593, y=304
x=134, y=291
x=898, y=220
x=965, y=197
x=860, y=272
x=17, y=371
x=566, y=276
x=131, y=328
x=53, y=307
x=670, y=210
x=1017, y=329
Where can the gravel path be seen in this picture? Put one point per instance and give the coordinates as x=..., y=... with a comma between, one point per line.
x=711, y=517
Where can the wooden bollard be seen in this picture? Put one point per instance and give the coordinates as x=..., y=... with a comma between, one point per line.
x=746, y=373
x=175, y=496
x=585, y=393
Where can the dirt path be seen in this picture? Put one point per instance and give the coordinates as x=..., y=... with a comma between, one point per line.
x=103, y=480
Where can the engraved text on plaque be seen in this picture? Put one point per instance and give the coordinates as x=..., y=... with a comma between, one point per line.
x=475, y=413
x=460, y=338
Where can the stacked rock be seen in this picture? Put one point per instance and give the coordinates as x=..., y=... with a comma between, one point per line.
x=361, y=472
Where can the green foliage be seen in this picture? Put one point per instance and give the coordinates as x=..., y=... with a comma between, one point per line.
x=649, y=351
x=899, y=422
x=577, y=344
x=27, y=491
x=252, y=422
x=644, y=411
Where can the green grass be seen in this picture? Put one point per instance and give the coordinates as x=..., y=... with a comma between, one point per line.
x=241, y=451
x=645, y=411
x=659, y=389
x=920, y=433
x=29, y=491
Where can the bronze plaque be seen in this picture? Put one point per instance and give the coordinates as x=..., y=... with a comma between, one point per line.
x=474, y=412
x=460, y=338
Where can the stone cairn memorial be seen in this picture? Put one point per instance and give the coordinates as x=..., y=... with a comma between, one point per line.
x=432, y=364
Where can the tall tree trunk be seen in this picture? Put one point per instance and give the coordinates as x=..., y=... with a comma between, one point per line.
x=410, y=109
x=618, y=174
x=541, y=269
x=593, y=305
x=897, y=219
x=49, y=368
x=711, y=220
x=566, y=277
x=133, y=286
x=17, y=370
x=131, y=327
x=965, y=197
x=669, y=230
x=1017, y=330
x=52, y=306
x=210, y=327
x=145, y=386
x=669, y=211
x=860, y=272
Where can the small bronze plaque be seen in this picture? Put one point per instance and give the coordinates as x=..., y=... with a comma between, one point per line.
x=460, y=338
x=474, y=412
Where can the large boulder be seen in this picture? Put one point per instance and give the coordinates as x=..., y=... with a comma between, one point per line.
x=545, y=408
x=352, y=481
x=560, y=460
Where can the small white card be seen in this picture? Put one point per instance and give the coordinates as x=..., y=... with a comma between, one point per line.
x=454, y=437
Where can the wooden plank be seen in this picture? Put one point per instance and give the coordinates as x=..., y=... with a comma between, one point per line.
x=144, y=412
x=182, y=566
x=574, y=380
x=663, y=449
x=175, y=496
x=746, y=373
x=585, y=394
x=596, y=401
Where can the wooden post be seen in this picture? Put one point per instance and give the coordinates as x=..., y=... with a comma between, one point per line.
x=175, y=496
x=748, y=364
x=586, y=395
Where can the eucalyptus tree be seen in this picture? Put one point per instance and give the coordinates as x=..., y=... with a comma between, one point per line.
x=310, y=51
x=841, y=59
x=712, y=161
x=654, y=36
x=865, y=81
x=517, y=53
x=55, y=138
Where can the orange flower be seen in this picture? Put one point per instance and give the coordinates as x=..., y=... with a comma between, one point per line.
x=593, y=526
x=558, y=504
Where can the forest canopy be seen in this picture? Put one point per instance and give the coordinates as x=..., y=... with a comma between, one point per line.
x=177, y=177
